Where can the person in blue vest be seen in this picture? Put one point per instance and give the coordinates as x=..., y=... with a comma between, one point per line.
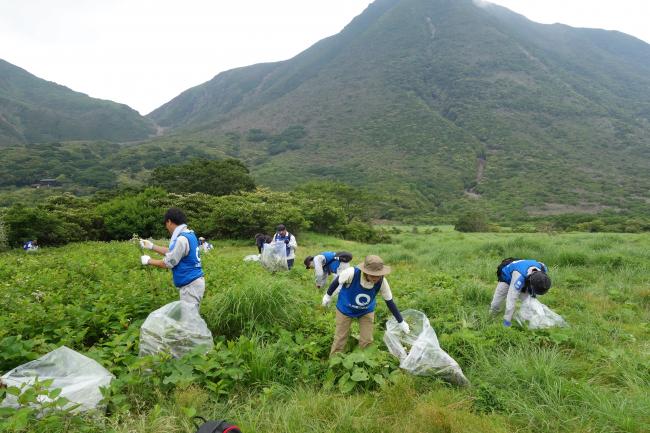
x=205, y=245
x=282, y=235
x=326, y=264
x=182, y=257
x=357, y=289
x=30, y=245
x=518, y=279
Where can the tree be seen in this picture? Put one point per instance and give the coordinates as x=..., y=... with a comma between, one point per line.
x=472, y=221
x=215, y=177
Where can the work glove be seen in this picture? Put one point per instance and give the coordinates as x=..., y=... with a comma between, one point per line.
x=147, y=245
x=286, y=241
x=326, y=300
x=404, y=327
x=507, y=323
x=145, y=260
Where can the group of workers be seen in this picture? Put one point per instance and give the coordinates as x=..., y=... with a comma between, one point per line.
x=356, y=287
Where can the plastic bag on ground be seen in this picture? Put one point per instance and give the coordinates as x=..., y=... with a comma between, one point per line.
x=176, y=328
x=425, y=357
x=78, y=376
x=274, y=257
x=537, y=315
x=252, y=258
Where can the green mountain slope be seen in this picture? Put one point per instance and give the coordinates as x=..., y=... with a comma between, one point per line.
x=441, y=101
x=34, y=110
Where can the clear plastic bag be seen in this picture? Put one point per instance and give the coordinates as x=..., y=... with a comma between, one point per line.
x=252, y=258
x=425, y=356
x=176, y=328
x=274, y=257
x=537, y=315
x=78, y=376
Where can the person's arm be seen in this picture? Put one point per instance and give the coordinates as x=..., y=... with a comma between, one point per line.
x=516, y=284
x=319, y=261
x=292, y=243
x=148, y=245
x=173, y=257
x=387, y=294
x=344, y=277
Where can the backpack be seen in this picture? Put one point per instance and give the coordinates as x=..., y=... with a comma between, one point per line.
x=503, y=264
x=344, y=256
x=219, y=426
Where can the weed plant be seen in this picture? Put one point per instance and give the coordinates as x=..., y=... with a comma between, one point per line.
x=270, y=371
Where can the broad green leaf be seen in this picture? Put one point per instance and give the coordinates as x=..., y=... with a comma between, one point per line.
x=359, y=375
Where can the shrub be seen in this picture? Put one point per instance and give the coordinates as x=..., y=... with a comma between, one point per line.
x=139, y=213
x=472, y=222
x=206, y=176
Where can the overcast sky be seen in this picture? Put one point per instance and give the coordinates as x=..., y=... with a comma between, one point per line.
x=145, y=52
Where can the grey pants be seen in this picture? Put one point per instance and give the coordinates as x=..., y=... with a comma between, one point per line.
x=193, y=292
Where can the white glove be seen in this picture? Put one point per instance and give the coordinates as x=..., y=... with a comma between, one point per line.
x=326, y=300
x=145, y=260
x=404, y=327
x=148, y=245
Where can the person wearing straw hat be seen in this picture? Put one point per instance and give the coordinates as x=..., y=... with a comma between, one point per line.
x=357, y=288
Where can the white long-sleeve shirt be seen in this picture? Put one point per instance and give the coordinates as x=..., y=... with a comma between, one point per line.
x=347, y=275
x=292, y=246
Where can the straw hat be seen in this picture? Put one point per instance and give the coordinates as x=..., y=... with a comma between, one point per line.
x=374, y=265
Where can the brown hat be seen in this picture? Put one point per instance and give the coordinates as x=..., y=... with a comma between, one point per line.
x=374, y=265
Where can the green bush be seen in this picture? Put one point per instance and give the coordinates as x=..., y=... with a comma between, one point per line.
x=128, y=214
x=206, y=176
x=242, y=216
x=472, y=222
x=26, y=223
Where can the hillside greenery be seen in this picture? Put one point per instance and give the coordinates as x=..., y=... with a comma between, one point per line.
x=65, y=218
x=433, y=108
x=270, y=371
x=33, y=110
x=441, y=103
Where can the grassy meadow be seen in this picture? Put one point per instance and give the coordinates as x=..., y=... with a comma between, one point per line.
x=269, y=370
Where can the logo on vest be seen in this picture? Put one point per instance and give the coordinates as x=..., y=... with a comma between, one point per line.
x=362, y=299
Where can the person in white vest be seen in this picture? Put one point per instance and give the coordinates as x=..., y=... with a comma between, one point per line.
x=282, y=235
x=181, y=256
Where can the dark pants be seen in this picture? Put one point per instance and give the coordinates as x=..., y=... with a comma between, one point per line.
x=290, y=263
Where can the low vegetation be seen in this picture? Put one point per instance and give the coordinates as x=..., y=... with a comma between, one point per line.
x=269, y=370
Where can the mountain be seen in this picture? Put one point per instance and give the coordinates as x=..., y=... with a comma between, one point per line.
x=440, y=102
x=34, y=110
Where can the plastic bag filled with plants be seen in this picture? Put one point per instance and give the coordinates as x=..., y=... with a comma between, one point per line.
x=252, y=258
x=419, y=351
x=78, y=377
x=536, y=315
x=176, y=328
x=274, y=257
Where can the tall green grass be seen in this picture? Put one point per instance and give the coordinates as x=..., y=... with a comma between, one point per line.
x=591, y=377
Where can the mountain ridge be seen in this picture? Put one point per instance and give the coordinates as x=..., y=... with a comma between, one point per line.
x=36, y=110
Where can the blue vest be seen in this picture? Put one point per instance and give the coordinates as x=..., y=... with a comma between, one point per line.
x=522, y=267
x=331, y=264
x=189, y=268
x=279, y=238
x=356, y=301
